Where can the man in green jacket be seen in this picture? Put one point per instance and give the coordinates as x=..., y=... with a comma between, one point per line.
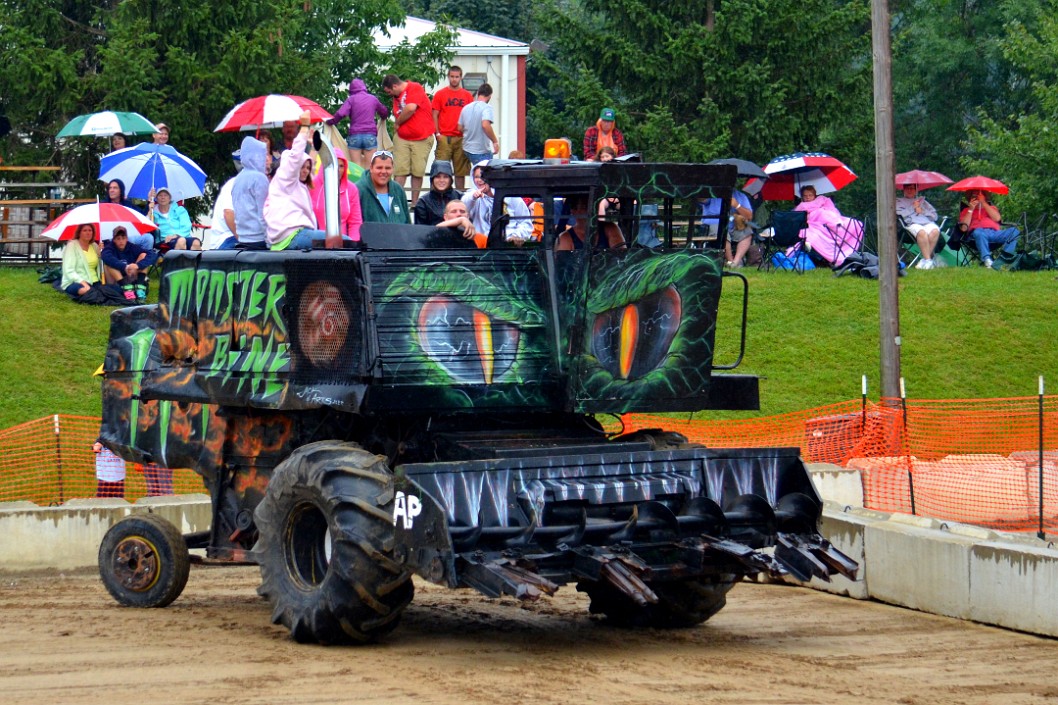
x=382, y=199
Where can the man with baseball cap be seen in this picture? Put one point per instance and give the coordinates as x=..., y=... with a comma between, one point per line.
x=603, y=134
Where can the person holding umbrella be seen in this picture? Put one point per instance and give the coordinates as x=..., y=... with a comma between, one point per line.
x=982, y=221
x=288, y=213
x=920, y=219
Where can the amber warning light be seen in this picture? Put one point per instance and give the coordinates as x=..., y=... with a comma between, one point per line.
x=557, y=151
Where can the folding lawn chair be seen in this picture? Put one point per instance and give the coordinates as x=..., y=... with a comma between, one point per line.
x=786, y=231
x=910, y=254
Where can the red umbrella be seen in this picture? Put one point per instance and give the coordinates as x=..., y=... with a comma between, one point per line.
x=789, y=173
x=922, y=179
x=980, y=183
x=105, y=216
x=269, y=111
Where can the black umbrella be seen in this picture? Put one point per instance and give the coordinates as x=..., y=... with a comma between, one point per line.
x=745, y=168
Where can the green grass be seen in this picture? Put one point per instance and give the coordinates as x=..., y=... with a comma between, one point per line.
x=966, y=333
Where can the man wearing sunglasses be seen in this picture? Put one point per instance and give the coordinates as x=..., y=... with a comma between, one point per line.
x=382, y=199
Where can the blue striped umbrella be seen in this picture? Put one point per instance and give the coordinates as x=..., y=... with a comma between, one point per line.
x=152, y=166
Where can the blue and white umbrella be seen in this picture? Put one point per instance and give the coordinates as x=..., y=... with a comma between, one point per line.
x=153, y=166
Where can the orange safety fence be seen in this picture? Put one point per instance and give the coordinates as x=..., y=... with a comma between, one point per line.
x=826, y=434
x=976, y=461
x=971, y=460
x=50, y=460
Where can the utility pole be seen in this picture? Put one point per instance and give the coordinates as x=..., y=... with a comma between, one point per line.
x=888, y=254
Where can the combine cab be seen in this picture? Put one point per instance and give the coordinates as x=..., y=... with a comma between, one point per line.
x=361, y=416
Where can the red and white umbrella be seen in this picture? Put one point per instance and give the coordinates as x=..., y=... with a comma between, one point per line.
x=922, y=179
x=788, y=174
x=980, y=183
x=269, y=111
x=105, y=216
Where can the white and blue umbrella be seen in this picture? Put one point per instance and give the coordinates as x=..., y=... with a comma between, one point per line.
x=153, y=166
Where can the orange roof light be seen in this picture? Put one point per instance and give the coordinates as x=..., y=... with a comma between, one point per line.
x=557, y=151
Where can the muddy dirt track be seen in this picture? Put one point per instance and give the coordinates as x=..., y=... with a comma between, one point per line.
x=63, y=640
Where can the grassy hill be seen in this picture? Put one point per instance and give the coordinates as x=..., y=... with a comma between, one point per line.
x=965, y=333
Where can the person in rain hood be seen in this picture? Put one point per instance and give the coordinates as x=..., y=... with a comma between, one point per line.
x=430, y=210
x=248, y=195
x=349, y=217
x=290, y=220
x=603, y=133
x=361, y=108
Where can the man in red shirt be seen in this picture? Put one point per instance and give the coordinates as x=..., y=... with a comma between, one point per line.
x=982, y=222
x=415, y=128
x=447, y=105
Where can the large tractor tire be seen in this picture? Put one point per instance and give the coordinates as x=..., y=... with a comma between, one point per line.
x=681, y=603
x=143, y=561
x=326, y=546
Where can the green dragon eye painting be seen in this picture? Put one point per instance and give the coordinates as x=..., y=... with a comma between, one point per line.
x=481, y=327
x=650, y=327
x=477, y=327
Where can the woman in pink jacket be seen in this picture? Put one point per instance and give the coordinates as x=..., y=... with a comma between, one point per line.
x=288, y=213
x=349, y=216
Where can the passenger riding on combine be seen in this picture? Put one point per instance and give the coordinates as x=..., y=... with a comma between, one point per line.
x=360, y=416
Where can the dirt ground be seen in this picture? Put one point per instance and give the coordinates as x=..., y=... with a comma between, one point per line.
x=63, y=640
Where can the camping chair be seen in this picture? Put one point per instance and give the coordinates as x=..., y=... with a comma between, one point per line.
x=908, y=244
x=966, y=247
x=787, y=230
x=847, y=239
x=1041, y=238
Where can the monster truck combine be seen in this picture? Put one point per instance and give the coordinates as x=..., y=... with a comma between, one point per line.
x=412, y=407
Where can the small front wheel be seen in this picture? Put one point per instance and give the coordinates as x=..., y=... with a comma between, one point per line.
x=143, y=561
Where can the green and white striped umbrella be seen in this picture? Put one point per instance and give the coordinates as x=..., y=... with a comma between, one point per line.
x=106, y=124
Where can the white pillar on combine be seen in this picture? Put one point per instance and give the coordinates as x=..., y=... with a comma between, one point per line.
x=329, y=164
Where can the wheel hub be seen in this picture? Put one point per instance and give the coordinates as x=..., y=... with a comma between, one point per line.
x=309, y=546
x=136, y=563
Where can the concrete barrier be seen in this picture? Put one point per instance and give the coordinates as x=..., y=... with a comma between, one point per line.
x=1014, y=585
x=915, y=564
x=68, y=536
x=845, y=527
x=955, y=570
x=843, y=486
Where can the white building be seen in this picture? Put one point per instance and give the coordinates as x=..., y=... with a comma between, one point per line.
x=484, y=58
